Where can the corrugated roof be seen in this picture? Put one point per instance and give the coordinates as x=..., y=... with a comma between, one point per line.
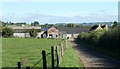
x=71, y=30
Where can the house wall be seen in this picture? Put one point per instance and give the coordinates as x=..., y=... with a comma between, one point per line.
x=52, y=31
x=39, y=35
x=64, y=36
x=72, y=35
x=19, y=34
x=75, y=35
x=99, y=27
x=69, y=35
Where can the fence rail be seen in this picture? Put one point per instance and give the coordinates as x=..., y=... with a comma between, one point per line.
x=60, y=49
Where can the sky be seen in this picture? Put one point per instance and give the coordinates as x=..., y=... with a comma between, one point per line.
x=59, y=12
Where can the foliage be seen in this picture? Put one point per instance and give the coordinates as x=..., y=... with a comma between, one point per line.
x=70, y=25
x=106, y=40
x=36, y=23
x=32, y=24
x=7, y=32
x=38, y=37
x=33, y=33
x=115, y=24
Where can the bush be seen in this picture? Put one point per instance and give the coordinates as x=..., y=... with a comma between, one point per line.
x=7, y=32
x=38, y=37
x=108, y=40
x=33, y=33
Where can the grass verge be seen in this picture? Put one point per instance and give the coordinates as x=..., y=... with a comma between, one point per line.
x=70, y=58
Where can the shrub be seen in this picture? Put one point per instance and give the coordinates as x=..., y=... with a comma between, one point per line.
x=108, y=40
x=33, y=33
x=38, y=37
x=7, y=32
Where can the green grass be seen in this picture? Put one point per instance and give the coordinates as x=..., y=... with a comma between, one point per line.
x=70, y=58
x=15, y=48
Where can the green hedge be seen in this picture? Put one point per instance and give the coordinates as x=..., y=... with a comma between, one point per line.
x=108, y=40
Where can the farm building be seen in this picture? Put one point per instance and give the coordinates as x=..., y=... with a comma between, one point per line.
x=21, y=31
x=99, y=27
x=64, y=32
x=71, y=32
x=50, y=33
x=59, y=32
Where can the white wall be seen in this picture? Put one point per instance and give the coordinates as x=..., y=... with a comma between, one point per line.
x=72, y=35
x=25, y=35
x=69, y=35
x=39, y=35
x=19, y=34
x=75, y=35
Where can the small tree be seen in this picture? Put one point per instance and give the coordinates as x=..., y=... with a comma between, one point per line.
x=7, y=32
x=115, y=24
x=71, y=25
x=33, y=33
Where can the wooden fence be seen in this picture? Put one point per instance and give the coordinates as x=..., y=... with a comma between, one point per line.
x=60, y=49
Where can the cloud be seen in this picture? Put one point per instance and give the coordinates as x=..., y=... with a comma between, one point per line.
x=103, y=10
x=42, y=18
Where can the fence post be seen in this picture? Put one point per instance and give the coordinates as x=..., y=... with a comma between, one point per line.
x=27, y=67
x=44, y=59
x=19, y=65
x=57, y=56
x=65, y=44
x=62, y=48
x=52, y=54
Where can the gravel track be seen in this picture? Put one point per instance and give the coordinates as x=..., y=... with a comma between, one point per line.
x=92, y=59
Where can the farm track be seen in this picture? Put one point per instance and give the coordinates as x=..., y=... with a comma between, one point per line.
x=92, y=59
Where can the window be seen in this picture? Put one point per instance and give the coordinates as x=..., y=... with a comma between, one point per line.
x=52, y=30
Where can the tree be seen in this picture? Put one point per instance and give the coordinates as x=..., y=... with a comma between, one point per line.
x=32, y=24
x=33, y=33
x=7, y=32
x=36, y=23
x=115, y=24
x=70, y=25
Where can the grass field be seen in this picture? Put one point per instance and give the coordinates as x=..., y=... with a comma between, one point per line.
x=30, y=49
x=26, y=48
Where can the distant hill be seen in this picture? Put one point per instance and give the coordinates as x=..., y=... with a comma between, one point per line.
x=60, y=24
x=88, y=24
x=91, y=24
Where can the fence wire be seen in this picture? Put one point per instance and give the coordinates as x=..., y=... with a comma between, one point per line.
x=58, y=53
x=40, y=60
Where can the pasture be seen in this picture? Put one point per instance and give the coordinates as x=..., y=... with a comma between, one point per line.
x=28, y=51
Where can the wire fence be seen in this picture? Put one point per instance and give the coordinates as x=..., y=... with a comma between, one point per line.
x=56, y=55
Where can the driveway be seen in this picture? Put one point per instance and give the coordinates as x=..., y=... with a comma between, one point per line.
x=92, y=59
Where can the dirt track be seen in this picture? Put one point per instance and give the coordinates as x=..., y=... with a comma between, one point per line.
x=92, y=59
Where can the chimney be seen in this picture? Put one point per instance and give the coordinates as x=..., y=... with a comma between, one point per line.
x=106, y=27
x=99, y=25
